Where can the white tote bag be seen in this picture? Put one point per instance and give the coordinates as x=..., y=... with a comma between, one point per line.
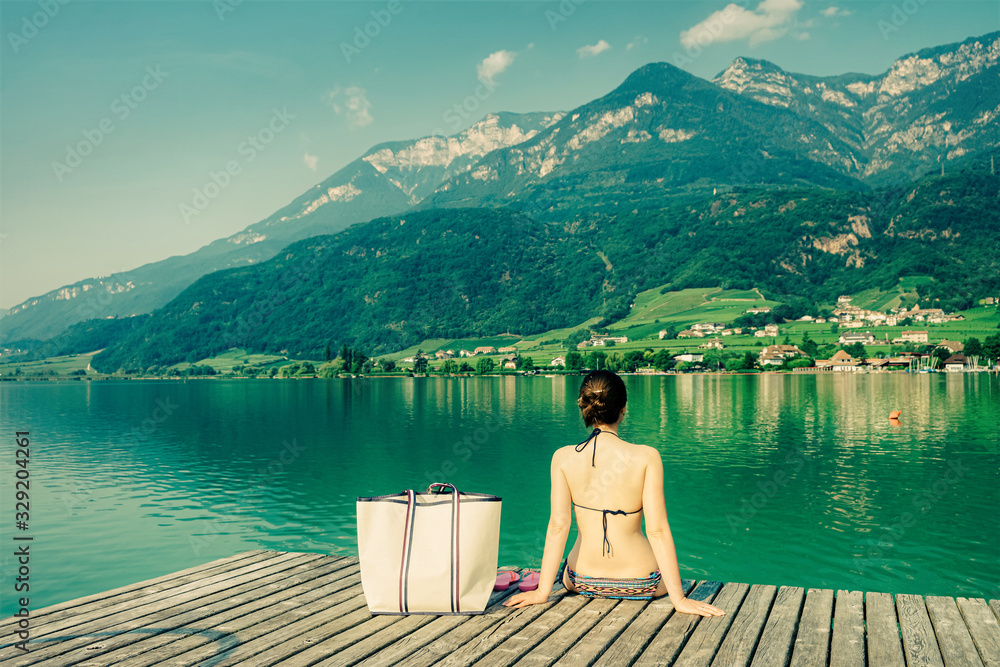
x=428, y=553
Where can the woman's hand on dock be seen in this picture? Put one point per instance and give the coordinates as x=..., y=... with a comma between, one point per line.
x=526, y=599
x=689, y=606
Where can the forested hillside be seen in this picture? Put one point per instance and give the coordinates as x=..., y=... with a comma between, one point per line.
x=392, y=282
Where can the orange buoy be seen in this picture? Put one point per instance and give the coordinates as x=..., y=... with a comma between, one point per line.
x=895, y=414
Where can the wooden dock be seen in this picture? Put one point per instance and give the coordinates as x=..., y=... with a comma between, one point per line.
x=294, y=609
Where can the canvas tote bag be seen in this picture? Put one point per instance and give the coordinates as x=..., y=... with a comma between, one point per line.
x=428, y=553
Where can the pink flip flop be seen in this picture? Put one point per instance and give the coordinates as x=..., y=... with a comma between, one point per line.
x=529, y=581
x=505, y=578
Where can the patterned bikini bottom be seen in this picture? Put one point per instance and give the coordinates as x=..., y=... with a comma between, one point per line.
x=616, y=588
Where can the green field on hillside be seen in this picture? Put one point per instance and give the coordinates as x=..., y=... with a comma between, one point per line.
x=49, y=367
x=432, y=345
x=905, y=294
x=236, y=357
x=653, y=309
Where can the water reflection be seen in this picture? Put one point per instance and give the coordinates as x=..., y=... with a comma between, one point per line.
x=770, y=479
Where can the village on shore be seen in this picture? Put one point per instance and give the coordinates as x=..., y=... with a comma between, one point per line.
x=912, y=350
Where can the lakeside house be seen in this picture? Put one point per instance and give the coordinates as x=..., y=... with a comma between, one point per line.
x=775, y=355
x=758, y=309
x=444, y=354
x=956, y=363
x=691, y=333
x=558, y=361
x=465, y=353
x=485, y=349
x=714, y=344
x=510, y=362
x=840, y=361
x=952, y=346
x=508, y=349
x=689, y=357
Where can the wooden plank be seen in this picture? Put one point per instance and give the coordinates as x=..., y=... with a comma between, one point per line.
x=953, y=638
x=345, y=612
x=919, y=643
x=452, y=640
x=600, y=637
x=704, y=643
x=995, y=606
x=984, y=628
x=513, y=622
x=359, y=650
x=307, y=650
x=848, y=645
x=627, y=644
x=775, y=645
x=884, y=647
x=65, y=621
x=740, y=642
x=560, y=641
x=74, y=609
x=160, y=630
x=666, y=645
x=812, y=641
x=245, y=621
x=542, y=628
x=409, y=644
x=124, y=627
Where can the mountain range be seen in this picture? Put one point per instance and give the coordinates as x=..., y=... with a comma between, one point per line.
x=474, y=272
x=662, y=137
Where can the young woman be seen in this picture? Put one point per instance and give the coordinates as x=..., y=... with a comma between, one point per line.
x=612, y=484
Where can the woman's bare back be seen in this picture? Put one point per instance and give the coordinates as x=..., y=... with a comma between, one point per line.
x=606, y=487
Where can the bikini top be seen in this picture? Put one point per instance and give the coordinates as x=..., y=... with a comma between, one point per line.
x=606, y=545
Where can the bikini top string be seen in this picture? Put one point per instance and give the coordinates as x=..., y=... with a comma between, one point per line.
x=583, y=445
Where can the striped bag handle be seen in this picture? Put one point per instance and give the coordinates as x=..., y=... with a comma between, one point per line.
x=404, y=565
x=455, y=593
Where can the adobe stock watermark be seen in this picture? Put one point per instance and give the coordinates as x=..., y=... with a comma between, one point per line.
x=795, y=460
x=562, y=13
x=32, y=24
x=261, y=480
x=121, y=108
x=900, y=14
x=363, y=35
x=246, y=152
x=462, y=111
x=163, y=409
x=922, y=503
x=464, y=448
x=707, y=34
x=249, y=321
x=223, y=7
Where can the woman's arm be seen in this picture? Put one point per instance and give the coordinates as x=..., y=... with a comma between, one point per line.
x=560, y=519
x=662, y=541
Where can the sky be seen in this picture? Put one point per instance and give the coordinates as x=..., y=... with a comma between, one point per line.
x=115, y=115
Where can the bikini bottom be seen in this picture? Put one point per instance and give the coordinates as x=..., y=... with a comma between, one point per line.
x=616, y=588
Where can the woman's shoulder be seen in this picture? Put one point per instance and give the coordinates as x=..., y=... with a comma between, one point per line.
x=646, y=452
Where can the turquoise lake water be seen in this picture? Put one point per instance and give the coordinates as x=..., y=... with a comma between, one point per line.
x=797, y=480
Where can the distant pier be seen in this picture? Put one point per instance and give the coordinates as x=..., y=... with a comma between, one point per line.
x=296, y=609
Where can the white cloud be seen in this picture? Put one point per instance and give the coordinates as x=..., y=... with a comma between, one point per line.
x=494, y=64
x=353, y=103
x=600, y=47
x=636, y=43
x=769, y=21
x=835, y=11
x=310, y=161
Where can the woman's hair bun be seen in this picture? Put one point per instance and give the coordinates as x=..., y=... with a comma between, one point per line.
x=602, y=397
